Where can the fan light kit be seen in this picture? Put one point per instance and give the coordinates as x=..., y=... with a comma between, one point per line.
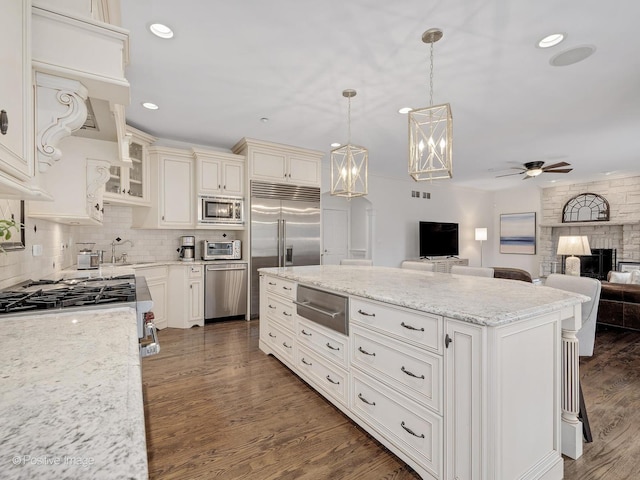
x=533, y=169
x=430, y=131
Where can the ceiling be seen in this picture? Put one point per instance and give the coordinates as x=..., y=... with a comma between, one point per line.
x=232, y=63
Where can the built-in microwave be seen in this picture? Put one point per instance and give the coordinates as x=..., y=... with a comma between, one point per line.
x=220, y=210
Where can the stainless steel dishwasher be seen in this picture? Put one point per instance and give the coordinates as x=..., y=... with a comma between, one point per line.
x=225, y=290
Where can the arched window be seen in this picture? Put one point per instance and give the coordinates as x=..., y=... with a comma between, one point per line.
x=586, y=207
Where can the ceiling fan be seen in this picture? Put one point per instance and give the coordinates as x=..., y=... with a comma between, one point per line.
x=533, y=169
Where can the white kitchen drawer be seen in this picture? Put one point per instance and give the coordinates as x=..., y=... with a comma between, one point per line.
x=323, y=374
x=286, y=288
x=414, y=429
x=280, y=340
x=412, y=370
x=280, y=310
x=157, y=271
x=424, y=329
x=330, y=344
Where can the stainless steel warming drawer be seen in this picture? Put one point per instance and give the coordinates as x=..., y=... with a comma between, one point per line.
x=326, y=308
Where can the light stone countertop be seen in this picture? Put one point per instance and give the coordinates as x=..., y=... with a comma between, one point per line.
x=483, y=301
x=71, y=396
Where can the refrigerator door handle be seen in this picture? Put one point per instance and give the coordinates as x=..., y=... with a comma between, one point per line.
x=279, y=244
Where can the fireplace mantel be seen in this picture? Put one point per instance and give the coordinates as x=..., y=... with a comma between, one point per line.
x=590, y=224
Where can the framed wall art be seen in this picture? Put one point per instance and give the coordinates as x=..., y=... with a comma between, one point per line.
x=628, y=266
x=518, y=233
x=13, y=210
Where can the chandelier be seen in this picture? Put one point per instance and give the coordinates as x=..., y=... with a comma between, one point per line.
x=430, y=131
x=349, y=164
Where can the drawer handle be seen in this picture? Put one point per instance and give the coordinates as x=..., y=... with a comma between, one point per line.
x=286, y=288
x=365, y=400
x=410, y=373
x=308, y=305
x=305, y=333
x=305, y=362
x=332, y=347
x=286, y=314
x=272, y=335
x=409, y=327
x=272, y=283
x=272, y=307
x=362, y=312
x=332, y=381
x=367, y=353
x=447, y=340
x=284, y=344
x=411, y=431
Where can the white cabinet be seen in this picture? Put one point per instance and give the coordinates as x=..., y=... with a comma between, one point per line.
x=186, y=295
x=279, y=163
x=157, y=281
x=277, y=317
x=77, y=184
x=129, y=185
x=16, y=104
x=171, y=191
x=219, y=173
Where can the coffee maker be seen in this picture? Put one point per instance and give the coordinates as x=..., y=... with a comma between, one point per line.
x=187, y=248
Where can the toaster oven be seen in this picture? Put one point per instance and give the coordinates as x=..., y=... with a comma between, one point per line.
x=227, y=250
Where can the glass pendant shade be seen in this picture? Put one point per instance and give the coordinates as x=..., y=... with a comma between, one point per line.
x=430, y=142
x=431, y=131
x=349, y=165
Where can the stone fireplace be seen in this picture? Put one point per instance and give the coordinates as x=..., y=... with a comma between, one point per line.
x=620, y=233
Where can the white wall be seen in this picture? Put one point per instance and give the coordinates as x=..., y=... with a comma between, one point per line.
x=518, y=200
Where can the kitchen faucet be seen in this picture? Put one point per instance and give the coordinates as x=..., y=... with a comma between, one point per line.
x=117, y=241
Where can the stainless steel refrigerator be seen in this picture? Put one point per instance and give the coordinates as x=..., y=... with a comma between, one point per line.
x=285, y=230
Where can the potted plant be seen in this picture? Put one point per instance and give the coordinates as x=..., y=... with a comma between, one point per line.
x=5, y=230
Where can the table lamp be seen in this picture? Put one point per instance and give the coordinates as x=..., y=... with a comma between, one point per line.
x=481, y=235
x=573, y=245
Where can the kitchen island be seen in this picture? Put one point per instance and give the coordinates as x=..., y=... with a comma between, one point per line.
x=462, y=377
x=71, y=396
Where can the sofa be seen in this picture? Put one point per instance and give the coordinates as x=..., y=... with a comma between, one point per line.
x=619, y=304
x=512, y=274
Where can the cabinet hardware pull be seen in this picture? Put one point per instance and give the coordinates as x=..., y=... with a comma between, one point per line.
x=305, y=333
x=98, y=206
x=308, y=305
x=410, y=373
x=332, y=381
x=305, y=362
x=410, y=431
x=286, y=288
x=272, y=335
x=411, y=328
x=129, y=192
x=332, y=347
x=224, y=187
x=365, y=400
x=286, y=314
x=447, y=340
x=271, y=307
x=271, y=283
x=366, y=353
x=4, y=122
x=361, y=312
x=284, y=344
x=124, y=190
x=218, y=186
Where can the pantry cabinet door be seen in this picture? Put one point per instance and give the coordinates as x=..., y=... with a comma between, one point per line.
x=176, y=188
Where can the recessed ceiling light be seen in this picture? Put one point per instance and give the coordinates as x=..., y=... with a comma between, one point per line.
x=551, y=40
x=161, y=30
x=405, y=110
x=264, y=119
x=335, y=144
x=150, y=106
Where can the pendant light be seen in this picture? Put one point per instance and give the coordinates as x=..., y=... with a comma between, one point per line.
x=349, y=164
x=430, y=131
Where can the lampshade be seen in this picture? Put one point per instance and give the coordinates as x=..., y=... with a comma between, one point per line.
x=574, y=245
x=349, y=164
x=481, y=234
x=430, y=131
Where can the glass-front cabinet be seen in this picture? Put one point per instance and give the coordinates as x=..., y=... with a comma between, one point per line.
x=129, y=185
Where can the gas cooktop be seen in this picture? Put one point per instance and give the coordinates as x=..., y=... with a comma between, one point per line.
x=36, y=296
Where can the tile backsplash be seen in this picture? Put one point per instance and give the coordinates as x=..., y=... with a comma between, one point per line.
x=59, y=244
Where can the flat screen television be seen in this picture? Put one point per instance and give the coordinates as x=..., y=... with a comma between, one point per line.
x=438, y=239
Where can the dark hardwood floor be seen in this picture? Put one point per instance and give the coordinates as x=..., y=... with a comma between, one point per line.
x=217, y=407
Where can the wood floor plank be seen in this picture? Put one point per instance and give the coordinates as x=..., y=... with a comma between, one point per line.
x=217, y=407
